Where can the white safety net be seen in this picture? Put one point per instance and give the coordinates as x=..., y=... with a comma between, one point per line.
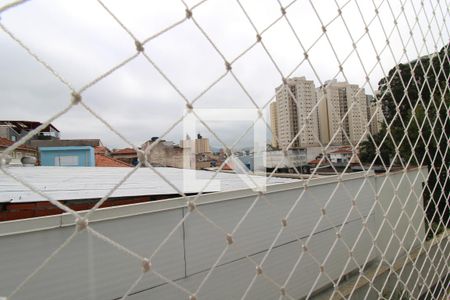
x=390, y=147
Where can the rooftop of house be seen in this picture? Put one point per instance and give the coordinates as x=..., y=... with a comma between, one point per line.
x=26, y=125
x=102, y=160
x=128, y=151
x=101, y=150
x=66, y=148
x=65, y=143
x=315, y=162
x=342, y=150
x=69, y=183
x=5, y=143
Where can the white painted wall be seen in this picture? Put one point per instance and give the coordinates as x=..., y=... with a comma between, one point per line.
x=400, y=209
x=92, y=269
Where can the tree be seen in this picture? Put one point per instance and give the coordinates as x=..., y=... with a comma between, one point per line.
x=415, y=99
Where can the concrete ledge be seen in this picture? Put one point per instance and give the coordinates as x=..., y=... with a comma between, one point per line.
x=108, y=213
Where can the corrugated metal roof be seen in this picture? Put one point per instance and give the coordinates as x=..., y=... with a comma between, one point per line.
x=71, y=183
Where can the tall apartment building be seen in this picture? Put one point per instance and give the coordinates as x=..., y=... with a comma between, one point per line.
x=374, y=108
x=335, y=100
x=201, y=144
x=274, y=123
x=294, y=102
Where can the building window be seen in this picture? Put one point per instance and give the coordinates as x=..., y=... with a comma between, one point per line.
x=69, y=160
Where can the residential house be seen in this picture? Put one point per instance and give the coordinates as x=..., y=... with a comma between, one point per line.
x=104, y=159
x=74, y=156
x=67, y=143
x=19, y=152
x=168, y=154
x=127, y=155
x=197, y=146
x=343, y=156
x=15, y=130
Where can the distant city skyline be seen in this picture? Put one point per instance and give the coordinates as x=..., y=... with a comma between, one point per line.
x=336, y=113
x=80, y=41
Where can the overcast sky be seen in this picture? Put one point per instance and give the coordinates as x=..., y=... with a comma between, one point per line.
x=80, y=40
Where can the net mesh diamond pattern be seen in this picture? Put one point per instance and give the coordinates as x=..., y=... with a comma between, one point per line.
x=406, y=256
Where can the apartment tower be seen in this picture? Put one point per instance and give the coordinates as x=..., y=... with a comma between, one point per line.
x=274, y=123
x=374, y=114
x=201, y=144
x=335, y=100
x=295, y=101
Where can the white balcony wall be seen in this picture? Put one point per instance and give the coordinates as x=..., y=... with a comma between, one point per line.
x=88, y=268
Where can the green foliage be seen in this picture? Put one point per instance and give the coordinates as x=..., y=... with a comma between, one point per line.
x=415, y=101
x=435, y=229
x=368, y=152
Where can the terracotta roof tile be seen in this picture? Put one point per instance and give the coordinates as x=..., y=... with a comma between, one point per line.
x=125, y=151
x=314, y=161
x=343, y=151
x=101, y=150
x=228, y=167
x=6, y=143
x=105, y=161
